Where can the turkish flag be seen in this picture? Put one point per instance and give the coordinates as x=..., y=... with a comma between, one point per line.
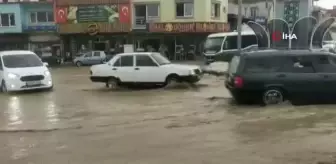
x=60, y=14
x=124, y=13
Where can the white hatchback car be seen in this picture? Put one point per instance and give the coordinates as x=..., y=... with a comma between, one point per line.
x=23, y=70
x=143, y=68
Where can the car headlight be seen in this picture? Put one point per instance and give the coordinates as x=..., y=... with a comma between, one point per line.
x=192, y=72
x=12, y=75
x=47, y=73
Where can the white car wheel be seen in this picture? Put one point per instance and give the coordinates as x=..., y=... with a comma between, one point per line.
x=171, y=80
x=112, y=83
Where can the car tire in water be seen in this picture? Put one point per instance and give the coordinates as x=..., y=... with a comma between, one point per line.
x=78, y=64
x=171, y=80
x=112, y=83
x=272, y=96
x=3, y=87
x=50, y=88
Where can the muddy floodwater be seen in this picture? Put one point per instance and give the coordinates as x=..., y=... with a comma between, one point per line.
x=84, y=123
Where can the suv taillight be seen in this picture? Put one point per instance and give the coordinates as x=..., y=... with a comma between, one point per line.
x=238, y=82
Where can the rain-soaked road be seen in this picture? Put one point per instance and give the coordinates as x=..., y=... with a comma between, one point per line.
x=83, y=123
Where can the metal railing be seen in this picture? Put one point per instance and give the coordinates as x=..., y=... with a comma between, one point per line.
x=141, y=21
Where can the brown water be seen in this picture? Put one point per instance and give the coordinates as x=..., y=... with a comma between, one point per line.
x=84, y=123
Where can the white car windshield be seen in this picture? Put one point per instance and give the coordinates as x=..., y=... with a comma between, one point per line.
x=160, y=59
x=21, y=61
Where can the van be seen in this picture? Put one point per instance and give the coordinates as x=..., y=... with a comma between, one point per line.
x=226, y=44
x=23, y=70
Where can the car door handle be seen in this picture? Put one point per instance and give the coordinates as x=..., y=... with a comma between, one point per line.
x=136, y=68
x=281, y=75
x=114, y=68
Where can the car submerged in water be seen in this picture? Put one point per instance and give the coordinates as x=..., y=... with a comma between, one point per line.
x=143, y=68
x=23, y=70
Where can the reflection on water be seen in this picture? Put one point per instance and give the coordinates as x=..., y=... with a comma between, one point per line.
x=31, y=112
x=18, y=146
x=14, y=111
x=51, y=111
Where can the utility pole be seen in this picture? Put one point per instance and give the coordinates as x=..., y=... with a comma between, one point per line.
x=239, y=26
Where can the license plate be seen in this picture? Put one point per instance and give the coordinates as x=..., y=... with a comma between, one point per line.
x=33, y=83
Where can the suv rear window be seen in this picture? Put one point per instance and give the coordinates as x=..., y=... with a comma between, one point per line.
x=233, y=66
x=263, y=64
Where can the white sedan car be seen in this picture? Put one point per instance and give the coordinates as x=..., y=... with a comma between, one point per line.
x=143, y=68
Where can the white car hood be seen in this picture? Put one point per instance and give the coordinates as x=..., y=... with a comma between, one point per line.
x=27, y=71
x=98, y=66
x=181, y=66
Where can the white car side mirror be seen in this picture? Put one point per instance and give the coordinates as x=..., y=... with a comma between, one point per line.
x=45, y=64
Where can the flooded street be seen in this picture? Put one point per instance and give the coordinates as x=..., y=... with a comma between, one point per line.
x=84, y=123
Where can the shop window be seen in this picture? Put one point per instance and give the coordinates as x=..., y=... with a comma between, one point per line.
x=41, y=17
x=215, y=10
x=184, y=8
x=7, y=19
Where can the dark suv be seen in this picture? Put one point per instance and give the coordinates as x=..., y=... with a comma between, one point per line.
x=271, y=76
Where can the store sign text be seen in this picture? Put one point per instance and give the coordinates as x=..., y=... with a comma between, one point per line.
x=188, y=27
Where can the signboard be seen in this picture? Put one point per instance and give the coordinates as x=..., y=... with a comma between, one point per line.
x=93, y=29
x=99, y=13
x=188, y=27
x=93, y=18
x=93, y=13
x=41, y=28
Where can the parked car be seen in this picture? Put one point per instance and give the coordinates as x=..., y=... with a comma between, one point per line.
x=143, y=68
x=90, y=58
x=23, y=70
x=270, y=77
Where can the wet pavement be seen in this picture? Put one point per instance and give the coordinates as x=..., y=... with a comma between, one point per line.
x=84, y=123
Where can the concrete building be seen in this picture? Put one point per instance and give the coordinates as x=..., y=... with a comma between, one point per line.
x=11, y=36
x=93, y=25
x=177, y=24
x=174, y=23
x=24, y=23
x=39, y=27
x=259, y=11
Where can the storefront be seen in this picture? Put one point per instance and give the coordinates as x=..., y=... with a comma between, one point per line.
x=42, y=39
x=13, y=42
x=93, y=27
x=179, y=41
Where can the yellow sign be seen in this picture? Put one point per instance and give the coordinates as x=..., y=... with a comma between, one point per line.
x=93, y=29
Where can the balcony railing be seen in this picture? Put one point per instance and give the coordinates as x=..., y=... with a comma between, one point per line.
x=140, y=22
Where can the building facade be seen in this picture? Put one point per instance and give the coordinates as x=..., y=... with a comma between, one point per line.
x=39, y=27
x=93, y=25
x=146, y=24
x=179, y=26
x=11, y=36
x=27, y=25
x=258, y=11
